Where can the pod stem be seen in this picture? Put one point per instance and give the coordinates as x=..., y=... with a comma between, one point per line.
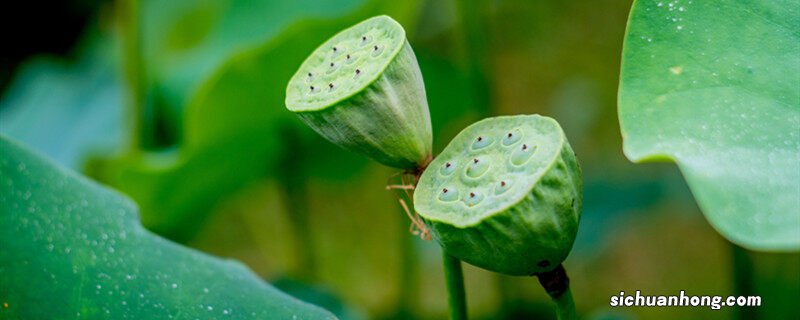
x=743, y=279
x=556, y=284
x=456, y=296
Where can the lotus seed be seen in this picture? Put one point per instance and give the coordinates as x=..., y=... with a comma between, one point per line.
x=475, y=198
x=447, y=169
x=477, y=168
x=512, y=137
x=521, y=156
x=448, y=195
x=502, y=187
x=481, y=142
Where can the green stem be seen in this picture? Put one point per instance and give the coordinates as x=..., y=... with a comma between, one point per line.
x=292, y=176
x=556, y=284
x=408, y=275
x=456, y=296
x=743, y=279
x=294, y=192
x=133, y=70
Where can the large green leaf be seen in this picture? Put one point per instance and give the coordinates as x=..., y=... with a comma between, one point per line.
x=70, y=248
x=67, y=109
x=715, y=86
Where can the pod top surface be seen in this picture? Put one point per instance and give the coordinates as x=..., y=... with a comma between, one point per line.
x=345, y=64
x=487, y=168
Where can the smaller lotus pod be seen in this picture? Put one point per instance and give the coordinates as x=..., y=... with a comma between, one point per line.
x=363, y=90
x=504, y=195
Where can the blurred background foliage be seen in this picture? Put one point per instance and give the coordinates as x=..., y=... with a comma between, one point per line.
x=179, y=104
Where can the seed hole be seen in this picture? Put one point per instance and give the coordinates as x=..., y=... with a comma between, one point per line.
x=502, y=187
x=334, y=49
x=377, y=50
x=448, y=195
x=512, y=137
x=358, y=71
x=477, y=168
x=481, y=142
x=475, y=197
x=447, y=169
x=521, y=155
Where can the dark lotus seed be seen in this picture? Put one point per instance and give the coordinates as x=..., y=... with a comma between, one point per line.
x=444, y=190
x=364, y=38
x=312, y=88
x=348, y=57
x=480, y=138
x=510, y=135
x=447, y=165
x=331, y=64
x=334, y=49
x=309, y=74
x=358, y=71
x=330, y=85
x=475, y=160
x=375, y=48
x=524, y=147
x=502, y=183
x=472, y=195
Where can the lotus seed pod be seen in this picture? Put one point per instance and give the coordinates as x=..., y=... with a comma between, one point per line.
x=363, y=90
x=504, y=195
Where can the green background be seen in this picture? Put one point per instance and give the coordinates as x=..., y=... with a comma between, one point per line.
x=179, y=105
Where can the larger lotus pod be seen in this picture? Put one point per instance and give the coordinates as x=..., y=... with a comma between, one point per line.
x=505, y=195
x=363, y=90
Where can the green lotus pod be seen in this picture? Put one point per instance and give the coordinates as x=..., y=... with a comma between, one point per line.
x=363, y=90
x=505, y=195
